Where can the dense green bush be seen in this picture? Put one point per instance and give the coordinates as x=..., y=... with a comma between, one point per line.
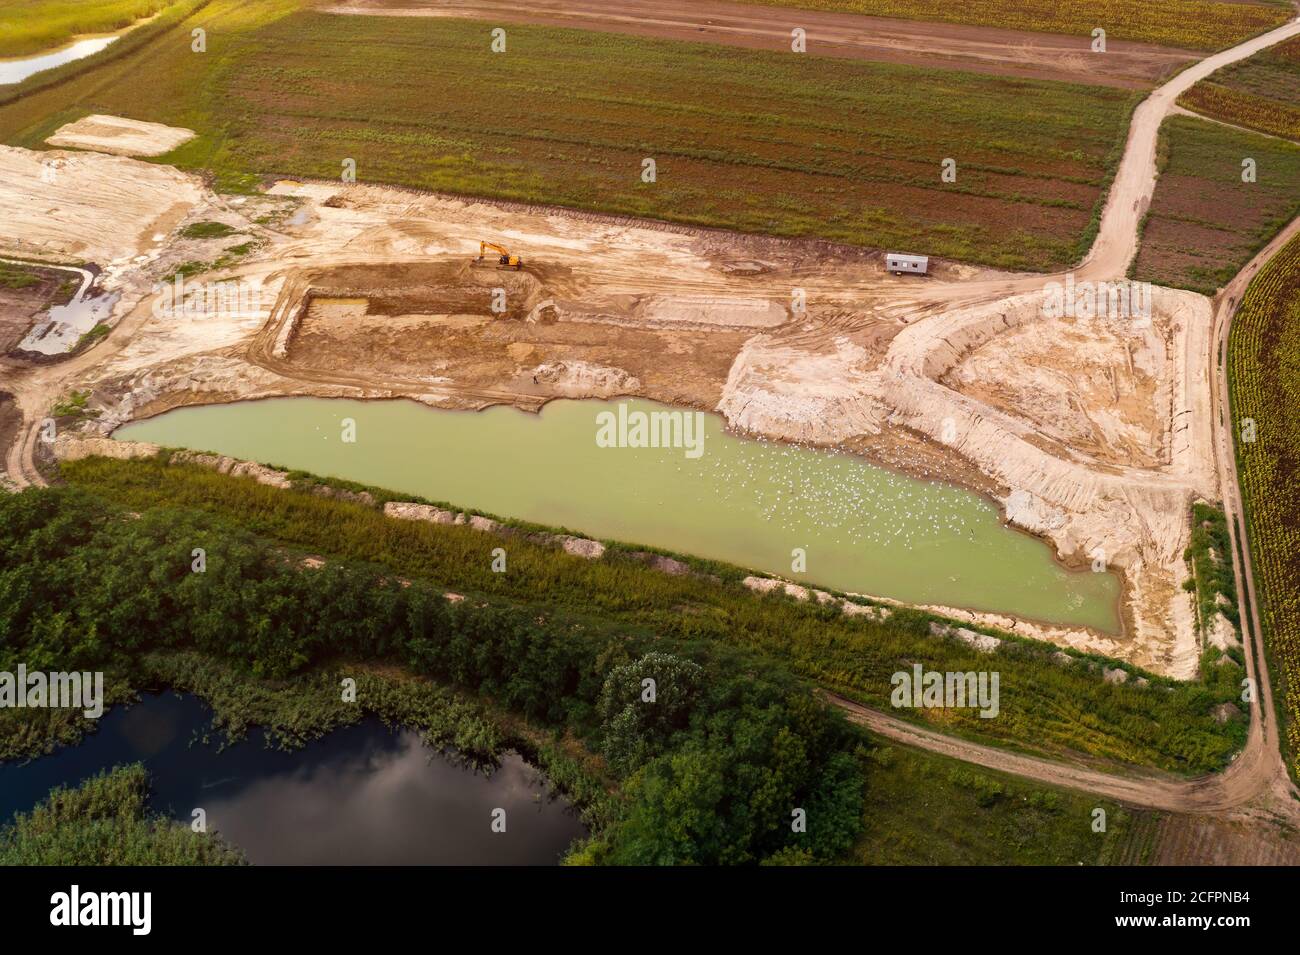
x=103, y=822
x=734, y=742
x=635, y=726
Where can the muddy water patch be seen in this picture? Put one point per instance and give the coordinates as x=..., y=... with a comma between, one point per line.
x=860, y=528
x=64, y=325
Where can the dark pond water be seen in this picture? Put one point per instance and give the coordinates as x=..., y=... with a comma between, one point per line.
x=360, y=795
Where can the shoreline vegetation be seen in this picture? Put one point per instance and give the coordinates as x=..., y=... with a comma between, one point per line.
x=1146, y=720
x=36, y=27
x=104, y=821
x=733, y=736
x=265, y=631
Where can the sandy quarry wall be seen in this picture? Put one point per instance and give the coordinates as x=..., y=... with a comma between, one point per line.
x=73, y=447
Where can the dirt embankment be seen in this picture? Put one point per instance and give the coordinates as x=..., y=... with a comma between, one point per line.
x=846, y=35
x=122, y=137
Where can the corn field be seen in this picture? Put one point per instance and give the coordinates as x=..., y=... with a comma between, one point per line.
x=1264, y=366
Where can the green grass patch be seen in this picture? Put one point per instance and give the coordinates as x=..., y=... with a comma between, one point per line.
x=1209, y=557
x=925, y=809
x=227, y=258
x=19, y=277
x=206, y=230
x=73, y=405
x=89, y=338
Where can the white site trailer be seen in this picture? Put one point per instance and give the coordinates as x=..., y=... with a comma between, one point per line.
x=899, y=262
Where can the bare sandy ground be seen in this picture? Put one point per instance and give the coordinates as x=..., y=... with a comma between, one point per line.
x=73, y=208
x=123, y=137
x=978, y=49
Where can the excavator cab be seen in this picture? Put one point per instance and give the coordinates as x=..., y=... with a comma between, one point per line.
x=504, y=257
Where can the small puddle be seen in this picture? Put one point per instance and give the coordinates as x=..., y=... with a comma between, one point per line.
x=65, y=324
x=17, y=70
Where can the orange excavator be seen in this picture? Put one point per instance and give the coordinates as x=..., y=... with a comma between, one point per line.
x=504, y=257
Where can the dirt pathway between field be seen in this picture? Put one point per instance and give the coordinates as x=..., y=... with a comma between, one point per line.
x=1135, y=179
x=1046, y=56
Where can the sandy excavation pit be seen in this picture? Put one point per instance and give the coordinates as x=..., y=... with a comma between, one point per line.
x=538, y=331
x=373, y=292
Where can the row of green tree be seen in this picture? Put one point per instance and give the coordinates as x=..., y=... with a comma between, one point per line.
x=723, y=757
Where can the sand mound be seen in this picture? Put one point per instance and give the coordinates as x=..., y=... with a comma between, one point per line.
x=86, y=206
x=123, y=137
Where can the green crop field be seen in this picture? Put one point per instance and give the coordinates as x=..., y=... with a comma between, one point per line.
x=1205, y=222
x=761, y=142
x=1262, y=92
x=1264, y=369
x=34, y=26
x=1195, y=24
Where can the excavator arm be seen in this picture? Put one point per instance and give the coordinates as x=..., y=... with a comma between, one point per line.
x=504, y=256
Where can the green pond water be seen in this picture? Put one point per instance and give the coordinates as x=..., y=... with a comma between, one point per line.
x=864, y=529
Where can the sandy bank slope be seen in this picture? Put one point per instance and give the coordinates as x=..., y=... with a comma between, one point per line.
x=88, y=207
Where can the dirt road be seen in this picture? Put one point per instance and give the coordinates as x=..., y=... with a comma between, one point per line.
x=978, y=49
x=1227, y=792
x=1263, y=719
x=1135, y=179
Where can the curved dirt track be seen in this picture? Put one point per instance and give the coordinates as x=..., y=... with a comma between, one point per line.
x=1227, y=792
x=1135, y=179
x=1047, y=56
